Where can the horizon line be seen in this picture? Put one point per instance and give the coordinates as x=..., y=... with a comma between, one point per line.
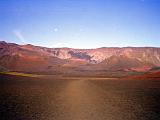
x=81, y=48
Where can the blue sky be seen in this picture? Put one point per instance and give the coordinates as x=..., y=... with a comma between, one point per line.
x=81, y=23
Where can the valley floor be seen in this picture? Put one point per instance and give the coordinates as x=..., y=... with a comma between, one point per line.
x=32, y=98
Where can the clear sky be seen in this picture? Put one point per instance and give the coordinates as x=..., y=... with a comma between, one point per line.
x=81, y=23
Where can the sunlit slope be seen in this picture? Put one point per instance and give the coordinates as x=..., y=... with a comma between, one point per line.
x=30, y=58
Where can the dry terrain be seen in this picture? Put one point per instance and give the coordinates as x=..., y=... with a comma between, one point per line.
x=31, y=98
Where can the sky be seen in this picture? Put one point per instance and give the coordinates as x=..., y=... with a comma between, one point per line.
x=81, y=23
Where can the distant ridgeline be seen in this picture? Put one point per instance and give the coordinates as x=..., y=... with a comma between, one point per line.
x=30, y=58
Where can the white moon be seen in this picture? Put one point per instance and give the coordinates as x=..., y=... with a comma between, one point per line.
x=55, y=29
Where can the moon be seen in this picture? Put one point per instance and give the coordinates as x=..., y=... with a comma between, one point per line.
x=55, y=29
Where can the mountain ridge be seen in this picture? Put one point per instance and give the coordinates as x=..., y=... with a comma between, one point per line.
x=30, y=58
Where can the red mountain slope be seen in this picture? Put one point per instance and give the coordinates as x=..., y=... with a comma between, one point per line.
x=32, y=58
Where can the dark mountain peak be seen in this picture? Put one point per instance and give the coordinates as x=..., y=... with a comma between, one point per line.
x=3, y=42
